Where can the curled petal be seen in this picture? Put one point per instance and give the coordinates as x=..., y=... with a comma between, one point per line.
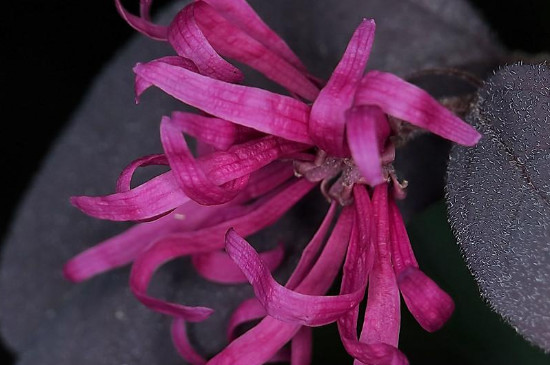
x=321, y=276
x=181, y=342
x=367, y=129
x=188, y=40
x=251, y=107
x=125, y=178
x=216, y=132
x=145, y=266
x=234, y=43
x=243, y=16
x=123, y=248
x=142, y=24
x=283, y=303
x=141, y=84
x=327, y=124
x=151, y=199
x=249, y=310
x=408, y=102
x=256, y=216
x=427, y=302
x=261, y=342
x=311, y=253
x=190, y=176
x=217, y=266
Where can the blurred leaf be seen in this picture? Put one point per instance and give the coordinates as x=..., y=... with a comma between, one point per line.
x=499, y=198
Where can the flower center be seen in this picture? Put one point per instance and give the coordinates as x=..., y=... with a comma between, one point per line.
x=338, y=175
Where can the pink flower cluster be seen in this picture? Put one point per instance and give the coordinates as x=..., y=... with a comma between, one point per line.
x=258, y=154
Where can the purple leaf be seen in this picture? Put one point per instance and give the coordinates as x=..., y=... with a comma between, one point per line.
x=498, y=195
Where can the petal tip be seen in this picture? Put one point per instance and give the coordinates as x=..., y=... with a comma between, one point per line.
x=428, y=303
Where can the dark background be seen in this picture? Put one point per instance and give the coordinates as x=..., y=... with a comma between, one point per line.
x=51, y=50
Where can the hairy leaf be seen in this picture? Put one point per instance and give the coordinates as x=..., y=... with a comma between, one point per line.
x=498, y=195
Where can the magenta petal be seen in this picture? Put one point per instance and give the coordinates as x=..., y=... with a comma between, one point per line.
x=382, y=315
x=356, y=269
x=327, y=124
x=208, y=239
x=151, y=199
x=141, y=84
x=301, y=347
x=243, y=16
x=367, y=128
x=188, y=40
x=125, y=178
x=125, y=247
x=191, y=178
x=216, y=132
x=265, y=180
x=142, y=24
x=246, y=158
x=427, y=302
x=283, y=355
x=234, y=43
x=255, y=108
x=145, y=266
x=145, y=9
x=321, y=276
x=181, y=342
x=217, y=266
x=402, y=253
x=258, y=345
x=273, y=334
x=408, y=102
x=280, y=302
x=247, y=219
x=311, y=253
x=249, y=310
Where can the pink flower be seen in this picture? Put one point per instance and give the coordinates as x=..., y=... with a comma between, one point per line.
x=259, y=153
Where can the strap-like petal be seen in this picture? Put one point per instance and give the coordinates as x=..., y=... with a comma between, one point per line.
x=259, y=344
x=188, y=40
x=243, y=16
x=356, y=270
x=300, y=347
x=367, y=129
x=280, y=302
x=255, y=108
x=190, y=176
x=141, y=84
x=230, y=41
x=382, y=314
x=327, y=124
x=182, y=344
x=408, y=102
x=311, y=252
x=256, y=217
x=249, y=310
x=142, y=24
x=218, y=267
x=430, y=305
x=123, y=183
x=123, y=248
x=215, y=132
x=157, y=196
